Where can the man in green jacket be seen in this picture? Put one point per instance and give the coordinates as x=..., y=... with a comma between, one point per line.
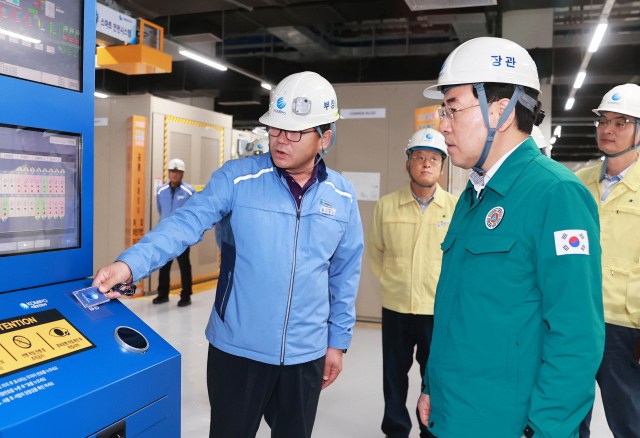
x=518, y=325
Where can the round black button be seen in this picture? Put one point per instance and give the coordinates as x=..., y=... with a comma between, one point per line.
x=131, y=340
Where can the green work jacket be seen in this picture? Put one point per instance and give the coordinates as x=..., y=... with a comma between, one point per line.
x=519, y=325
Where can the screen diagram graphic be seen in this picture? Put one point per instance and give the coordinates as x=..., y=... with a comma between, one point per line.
x=39, y=193
x=56, y=58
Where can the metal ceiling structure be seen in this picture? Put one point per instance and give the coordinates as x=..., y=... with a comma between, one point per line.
x=375, y=41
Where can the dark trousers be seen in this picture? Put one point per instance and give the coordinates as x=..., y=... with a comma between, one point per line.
x=401, y=333
x=242, y=391
x=185, y=273
x=619, y=381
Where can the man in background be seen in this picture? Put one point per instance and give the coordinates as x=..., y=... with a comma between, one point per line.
x=405, y=235
x=173, y=195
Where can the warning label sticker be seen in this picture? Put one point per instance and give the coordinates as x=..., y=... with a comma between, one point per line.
x=33, y=339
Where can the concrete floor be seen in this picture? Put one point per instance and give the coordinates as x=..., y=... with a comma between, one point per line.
x=351, y=408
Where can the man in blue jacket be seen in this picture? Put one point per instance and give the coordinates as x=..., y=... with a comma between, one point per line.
x=171, y=196
x=285, y=302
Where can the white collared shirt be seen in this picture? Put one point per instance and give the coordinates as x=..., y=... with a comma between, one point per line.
x=421, y=202
x=487, y=176
x=610, y=181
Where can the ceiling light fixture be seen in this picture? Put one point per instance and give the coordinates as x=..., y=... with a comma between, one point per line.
x=597, y=37
x=558, y=131
x=203, y=60
x=570, y=103
x=100, y=95
x=580, y=79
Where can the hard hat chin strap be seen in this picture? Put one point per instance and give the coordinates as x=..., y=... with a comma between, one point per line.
x=518, y=95
x=324, y=152
x=331, y=142
x=418, y=184
x=633, y=146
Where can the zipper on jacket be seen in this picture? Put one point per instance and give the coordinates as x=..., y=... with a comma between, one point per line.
x=293, y=269
x=225, y=293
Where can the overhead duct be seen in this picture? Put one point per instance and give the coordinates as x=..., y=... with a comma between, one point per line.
x=204, y=43
x=239, y=97
x=424, y=5
x=466, y=26
x=301, y=39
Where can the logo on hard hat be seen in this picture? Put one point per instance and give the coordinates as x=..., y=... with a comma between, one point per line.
x=429, y=136
x=616, y=97
x=280, y=103
x=442, y=68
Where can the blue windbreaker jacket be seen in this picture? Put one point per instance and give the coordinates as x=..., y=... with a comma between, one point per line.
x=288, y=277
x=167, y=203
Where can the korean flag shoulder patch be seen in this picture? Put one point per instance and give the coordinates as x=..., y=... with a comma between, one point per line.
x=571, y=242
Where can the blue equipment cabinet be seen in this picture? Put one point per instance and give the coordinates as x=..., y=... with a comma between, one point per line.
x=64, y=372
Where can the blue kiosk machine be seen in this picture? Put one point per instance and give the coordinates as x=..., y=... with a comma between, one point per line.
x=65, y=370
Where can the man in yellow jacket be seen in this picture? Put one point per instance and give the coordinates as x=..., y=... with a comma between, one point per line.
x=615, y=185
x=404, y=240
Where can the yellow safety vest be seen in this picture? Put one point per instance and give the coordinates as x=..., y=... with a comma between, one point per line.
x=620, y=240
x=404, y=248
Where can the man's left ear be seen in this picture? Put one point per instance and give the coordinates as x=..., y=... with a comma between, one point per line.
x=502, y=105
x=326, y=139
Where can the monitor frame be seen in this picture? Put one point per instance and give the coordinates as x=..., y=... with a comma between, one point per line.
x=81, y=56
x=44, y=107
x=79, y=188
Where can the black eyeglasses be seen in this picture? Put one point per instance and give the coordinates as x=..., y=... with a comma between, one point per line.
x=294, y=136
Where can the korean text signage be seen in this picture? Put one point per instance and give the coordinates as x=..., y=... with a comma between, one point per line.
x=427, y=117
x=30, y=340
x=135, y=186
x=116, y=25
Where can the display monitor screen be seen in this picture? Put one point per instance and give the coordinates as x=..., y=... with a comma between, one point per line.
x=41, y=41
x=39, y=190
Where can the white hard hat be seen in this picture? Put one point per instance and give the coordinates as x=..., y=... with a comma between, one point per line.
x=489, y=59
x=623, y=99
x=538, y=137
x=257, y=147
x=486, y=59
x=301, y=101
x=176, y=164
x=427, y=138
